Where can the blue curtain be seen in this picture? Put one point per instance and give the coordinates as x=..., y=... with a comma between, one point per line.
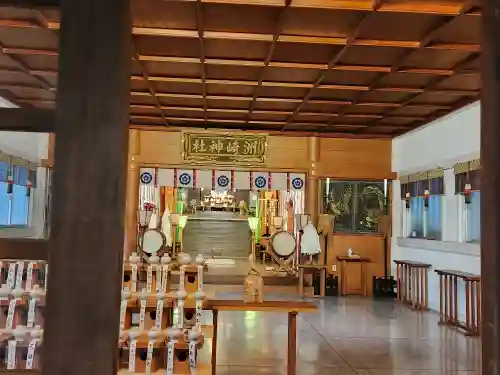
x=474, y=218
x=417, y=216
x=434, y=230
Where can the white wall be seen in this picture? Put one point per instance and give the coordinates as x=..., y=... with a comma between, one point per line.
x=33, y=147
x=443, y=143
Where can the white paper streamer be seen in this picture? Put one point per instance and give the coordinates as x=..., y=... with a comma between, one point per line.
x=123, y=310
x=11, y=355
x=200, y=278
x=131, y=354
x=198, y=313
x=134, y=277
x=159, y=313
x=31, y=354
x=10, y=313
x=11, y=275
x=149, y=357
x=192, y=357
x=164, y=278
x=46, y=275
x=29, y=275
x=158, y=278
x=170, y=356
x=142, y=314
x=31, y=312
x=19, y=275
x=181, y=279
x=180, y=318
x=149, y=284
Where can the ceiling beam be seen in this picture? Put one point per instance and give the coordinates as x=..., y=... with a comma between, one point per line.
x=24, y=249
x=31, y=3
x=27, y=120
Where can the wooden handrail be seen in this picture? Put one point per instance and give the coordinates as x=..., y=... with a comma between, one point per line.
x=412, y=283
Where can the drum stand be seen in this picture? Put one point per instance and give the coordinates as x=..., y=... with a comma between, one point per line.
x=284, y=265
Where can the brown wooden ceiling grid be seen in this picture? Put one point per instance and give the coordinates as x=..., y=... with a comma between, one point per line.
x=336, y=67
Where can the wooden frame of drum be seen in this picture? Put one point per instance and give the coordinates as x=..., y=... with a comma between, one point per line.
x=282, y=247
x=152, y=242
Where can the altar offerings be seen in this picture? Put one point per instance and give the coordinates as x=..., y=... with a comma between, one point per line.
x=283, y=246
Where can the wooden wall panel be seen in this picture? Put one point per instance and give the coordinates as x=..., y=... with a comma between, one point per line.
x=287, y=153
x=158, y=147
x=365, y=245
x=355, y=158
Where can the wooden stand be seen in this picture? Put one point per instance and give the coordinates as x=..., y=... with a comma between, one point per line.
x=344, y=260
x=412, y=283
x=312, y=267
x=448, y=300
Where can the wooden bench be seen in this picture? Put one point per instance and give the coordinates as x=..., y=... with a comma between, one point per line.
x=449, y=302
x=412, y=283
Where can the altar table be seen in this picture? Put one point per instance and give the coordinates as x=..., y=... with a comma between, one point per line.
x=290, y=307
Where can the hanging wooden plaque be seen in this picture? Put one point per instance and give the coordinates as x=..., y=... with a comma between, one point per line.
x=209, y=148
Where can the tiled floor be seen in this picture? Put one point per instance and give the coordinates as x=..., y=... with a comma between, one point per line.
x=349, y=336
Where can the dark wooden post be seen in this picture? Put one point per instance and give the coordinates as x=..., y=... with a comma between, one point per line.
x=87, y=233
x=490, y=184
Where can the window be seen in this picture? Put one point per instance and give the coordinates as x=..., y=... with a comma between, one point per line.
x=468, y=182
x=356, y=205
x=423, y=218
x=15, y=206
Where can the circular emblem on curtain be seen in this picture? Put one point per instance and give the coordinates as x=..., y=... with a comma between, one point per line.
x=260, y=182
x=146, y=178
x=297, y=183
x=184, y=179
x=223, y=181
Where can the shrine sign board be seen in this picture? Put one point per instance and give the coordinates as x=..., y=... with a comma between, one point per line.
x=209, y=148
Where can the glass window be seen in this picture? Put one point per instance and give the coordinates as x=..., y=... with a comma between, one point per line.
x=417, y=217
x=356, y=205
x=434, y=214
x=473, y=218
x=20, y=204
x=4, y=204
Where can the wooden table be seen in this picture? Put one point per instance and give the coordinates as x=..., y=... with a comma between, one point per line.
x=290, y=307
x=412, y=283
x=448, y=298
x=308, y=267
x=344, y=261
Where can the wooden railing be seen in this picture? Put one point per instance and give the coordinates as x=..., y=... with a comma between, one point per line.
x=449, y=301
x=412, y=283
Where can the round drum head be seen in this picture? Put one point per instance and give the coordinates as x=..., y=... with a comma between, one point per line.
x=283, y=244
x=152, y=241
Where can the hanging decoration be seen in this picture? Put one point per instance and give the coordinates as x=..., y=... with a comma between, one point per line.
x=408, y=200
x=467, y=193
x=426, y=198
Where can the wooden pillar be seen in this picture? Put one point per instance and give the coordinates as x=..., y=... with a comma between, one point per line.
x=87, y=236
x=312, y=184
x=490, y=182
x=132, y=194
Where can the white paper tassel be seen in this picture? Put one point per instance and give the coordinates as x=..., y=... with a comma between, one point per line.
x=142, y=314
x=170, y=351
x=149, y=280
x=31, y=354
x=158, y=278
x=151, y=342
x=11, y=355
x=159, y=309
x=11, y=275
x=31, y=313
x=134, y=259
x=19, y=275
x=181, y=295
x=193, y=338
x=123, y=307
x=46, y=275
x=10, y=313
x=165, y=261
x=200, y=296
x=29, y=276
x=131, y=351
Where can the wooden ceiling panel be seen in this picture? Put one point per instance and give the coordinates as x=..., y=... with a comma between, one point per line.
x=144, y=110
x=383, y=96
x=235, y=49
x=370, y=55
x=406, y=80
x=435, y=59
x=436, y=98
x=384, y=129
x=7, y=63
x=451, y=7
x=166, y=46
x=341, y=120
x=462, y=82
x=401, y=121
x=181, y=101
x=185, y=112
x=16, y=78
x=290, y=75
x=146, y=120
x=312, y=117
x=328, y=94
x=172, y=69
x=139, y=85
x=17, y=14
x=346, y=128
x=141, y=99
x=322, y=107
x=240, y=18
x=227, y=103
x=399, y=26
x=275, y=106
x=282, y=92
x=32, y=93
x=177, y=87
x=40, y=62
x=420, y=111
x=230, y=90
x=158, y=13
x=347, y=77
x=321, y=22
x=226, y=115
x=304, y=53
x=365, y=110
x=31, y=38
x=269, y=116
x=463, y=29
x=233, y=72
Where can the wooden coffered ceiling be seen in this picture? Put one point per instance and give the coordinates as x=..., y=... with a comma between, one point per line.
x=336, y=67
